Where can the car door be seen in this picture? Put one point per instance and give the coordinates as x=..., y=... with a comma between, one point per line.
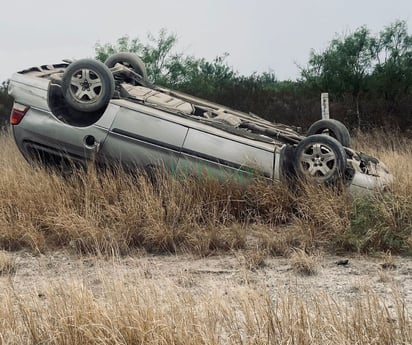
x=142, y=136
x=41, y=131
x=220, y=154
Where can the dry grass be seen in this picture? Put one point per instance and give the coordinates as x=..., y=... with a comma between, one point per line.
x=389, y=262
x=113, y=212
x=395, y=150
x=253, y=259
x=143, y=313
x=109, y=213
x=7, y=264
x=303, y=263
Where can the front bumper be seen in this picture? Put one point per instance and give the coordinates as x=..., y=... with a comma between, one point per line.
x=380, y=181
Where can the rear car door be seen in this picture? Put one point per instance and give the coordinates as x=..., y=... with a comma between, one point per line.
x=40, y=130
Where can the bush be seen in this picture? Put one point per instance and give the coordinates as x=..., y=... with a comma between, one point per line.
x=380, y=223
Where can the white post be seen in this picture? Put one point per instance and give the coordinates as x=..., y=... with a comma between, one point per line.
x=324, y=101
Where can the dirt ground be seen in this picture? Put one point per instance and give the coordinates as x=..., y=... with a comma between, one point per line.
x=220, y=273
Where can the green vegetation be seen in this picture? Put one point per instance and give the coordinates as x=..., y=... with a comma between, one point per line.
x=369, y=74
x=5, y=104
x=368, y=77
x=363, y=72
x=382, y=222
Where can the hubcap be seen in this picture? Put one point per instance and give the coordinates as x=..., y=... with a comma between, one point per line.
x=318, y=161
x=86, y=86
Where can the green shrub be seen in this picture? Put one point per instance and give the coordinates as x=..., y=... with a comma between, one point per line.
x=380, y=222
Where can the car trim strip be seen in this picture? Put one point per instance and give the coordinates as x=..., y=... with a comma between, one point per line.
x=201, y=127
x=146, y=139
x=220, y=161
x=186, y=151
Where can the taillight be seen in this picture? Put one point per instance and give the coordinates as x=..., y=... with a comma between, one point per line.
x=17, y=113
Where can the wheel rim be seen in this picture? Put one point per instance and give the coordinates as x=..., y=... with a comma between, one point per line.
x=318, y=161
x=86, y=86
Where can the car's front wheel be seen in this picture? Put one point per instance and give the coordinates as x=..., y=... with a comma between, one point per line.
x=320, y=158
x=87, y=85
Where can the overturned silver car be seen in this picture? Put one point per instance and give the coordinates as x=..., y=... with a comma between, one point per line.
x=110, y=113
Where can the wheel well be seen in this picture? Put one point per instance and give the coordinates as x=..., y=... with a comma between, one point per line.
x=67, y=114
x=287, y=155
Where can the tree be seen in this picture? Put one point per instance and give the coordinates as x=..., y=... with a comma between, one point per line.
x=6, y=103
x=368, y=77
x=208, y=79
x=169, y=68
x=216, y=80
x=392, y=77
x=164, y=65
x=344, y=67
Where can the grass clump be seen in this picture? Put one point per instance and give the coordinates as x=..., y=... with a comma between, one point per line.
x=113, y=212
x=321, y=216
x=380, y=223
x=7, y=264
x=303, y=263
x=143, y=313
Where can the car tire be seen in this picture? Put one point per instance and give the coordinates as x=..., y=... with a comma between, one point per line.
x=87, y=85
x=320, y=158
x=128, y=59
x=333, y=128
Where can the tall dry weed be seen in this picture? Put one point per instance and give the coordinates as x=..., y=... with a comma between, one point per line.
x=143, y=313
x=113, y=211
x=7, y=264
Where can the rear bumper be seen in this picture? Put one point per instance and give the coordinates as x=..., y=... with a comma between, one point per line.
x=30, y=91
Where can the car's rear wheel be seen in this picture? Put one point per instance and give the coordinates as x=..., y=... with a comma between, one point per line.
x=333, y=128
x=129, y=60
x=320, y=158
x=87, y=85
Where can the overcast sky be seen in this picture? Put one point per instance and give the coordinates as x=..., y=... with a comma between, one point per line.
x=259, y=35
